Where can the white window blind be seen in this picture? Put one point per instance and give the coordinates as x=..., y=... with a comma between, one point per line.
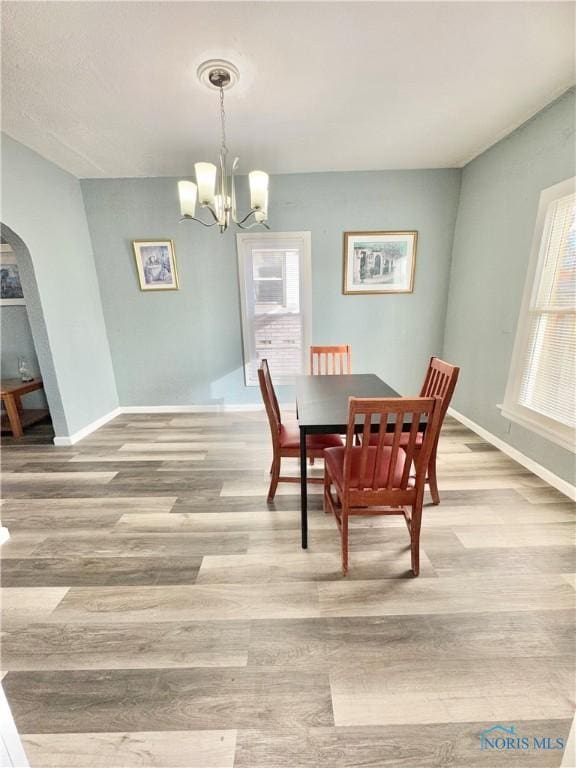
x=548, y=385
x=542, y=387
x=274, y=270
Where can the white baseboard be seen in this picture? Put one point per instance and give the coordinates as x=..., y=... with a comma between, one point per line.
x=557, y=482
x=68, y=440
x=220, y=408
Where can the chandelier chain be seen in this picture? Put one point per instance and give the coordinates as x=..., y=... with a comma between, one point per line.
x=224, y=148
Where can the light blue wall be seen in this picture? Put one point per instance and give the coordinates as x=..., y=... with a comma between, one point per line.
x=15, y=342
x=43, y=208
x=184, y=347
x=493, y=238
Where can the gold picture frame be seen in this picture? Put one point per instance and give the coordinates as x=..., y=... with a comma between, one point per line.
x=156, y=265
x=379, y=262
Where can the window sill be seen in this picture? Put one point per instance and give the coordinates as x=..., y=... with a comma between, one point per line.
x=562, y=436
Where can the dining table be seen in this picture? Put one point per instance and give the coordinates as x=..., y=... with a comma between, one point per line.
x=322, y=408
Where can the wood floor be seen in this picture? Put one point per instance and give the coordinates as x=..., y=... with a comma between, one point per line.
x=157, y=612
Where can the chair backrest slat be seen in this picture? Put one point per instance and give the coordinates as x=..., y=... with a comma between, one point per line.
x=365, y=451
x=331, y=360
x=398, y=427
x=418, y=417
x=410, y=448
x=382, y=427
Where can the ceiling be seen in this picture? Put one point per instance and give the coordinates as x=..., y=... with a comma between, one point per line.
x=108, y=89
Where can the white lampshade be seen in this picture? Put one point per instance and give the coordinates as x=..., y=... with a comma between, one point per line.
x=187, y=191
x=206, y=180
x=258, y=181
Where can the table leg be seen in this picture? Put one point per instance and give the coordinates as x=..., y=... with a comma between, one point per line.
x=303, y=489
x=13, y=415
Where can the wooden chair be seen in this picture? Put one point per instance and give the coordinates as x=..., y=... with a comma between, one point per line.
x=320, y=357
x=286, y=437
x=339, y=356
x=440, y=381
x=383, y=479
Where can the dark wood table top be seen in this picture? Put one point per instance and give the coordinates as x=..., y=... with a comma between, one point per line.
x=322, y=401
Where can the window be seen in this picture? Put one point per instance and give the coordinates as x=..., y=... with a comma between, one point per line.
x=541, y=389
x=274, y=270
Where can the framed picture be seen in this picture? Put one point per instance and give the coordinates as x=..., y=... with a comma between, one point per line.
x=156, y=265
x=379, y=262
x=11, y=293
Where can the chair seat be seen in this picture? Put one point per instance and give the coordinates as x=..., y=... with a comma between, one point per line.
x=334, y=459
x=290, y=439
x=404, y=438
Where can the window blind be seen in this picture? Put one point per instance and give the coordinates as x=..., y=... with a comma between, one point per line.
x=548, y=375
x=274, y=286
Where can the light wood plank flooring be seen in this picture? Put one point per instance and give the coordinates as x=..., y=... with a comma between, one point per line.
x=157, y=612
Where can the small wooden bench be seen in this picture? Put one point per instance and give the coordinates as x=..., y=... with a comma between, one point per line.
x=15, y=419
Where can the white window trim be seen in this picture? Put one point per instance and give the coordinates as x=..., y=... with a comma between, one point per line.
x=290, y=241
x=511, y=409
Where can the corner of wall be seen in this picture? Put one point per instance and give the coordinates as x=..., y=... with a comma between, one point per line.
x=99, y=295
x=451, y=261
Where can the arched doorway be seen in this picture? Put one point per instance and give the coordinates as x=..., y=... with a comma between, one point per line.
x=37, y=326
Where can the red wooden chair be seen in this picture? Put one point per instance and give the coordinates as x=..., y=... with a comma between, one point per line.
x=383, y=479
x=331, y=360
x=440, y=381
x=286, y=437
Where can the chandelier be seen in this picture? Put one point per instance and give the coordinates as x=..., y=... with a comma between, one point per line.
x=215, y=187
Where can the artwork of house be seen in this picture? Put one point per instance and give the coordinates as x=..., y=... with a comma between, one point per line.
x=380, y=263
